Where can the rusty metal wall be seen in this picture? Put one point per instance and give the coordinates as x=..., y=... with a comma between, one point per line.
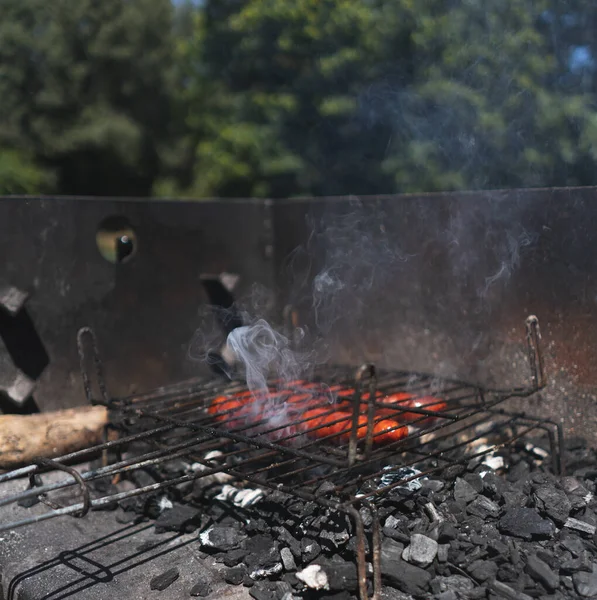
x=451, y=279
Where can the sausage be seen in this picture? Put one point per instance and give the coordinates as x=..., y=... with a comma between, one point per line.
x=317, y=422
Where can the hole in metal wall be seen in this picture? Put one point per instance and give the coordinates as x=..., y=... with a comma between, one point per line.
x=116, y=240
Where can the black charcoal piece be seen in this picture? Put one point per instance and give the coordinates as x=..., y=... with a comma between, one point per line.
x=341, y=574
x=182, y=518
x=270, y=590
x=497, y=548
x=287, y=559
x=162, y=581
x=495, y=486
x=124, y=518
x=553, y=502
x=28, y=502
x=406, y=577
x=525, y=523
x=310, y=550
x=464, y=491
x=542, y=573
x=447, y=532
x=234, y=557
x=442, y=552
x=433, y=485
x=585, y=584
x=287, y=538
x=221, y=539
x=262, y=553
x=391, y=551
x=389, y=593
x=573, y=544
x=458, y=584
x=235, y=575
x=483, y=507
x=515, y=499
x=506, y=592
x=508, y=572
x=482, y=570
x=201, y=589
x=475, y=481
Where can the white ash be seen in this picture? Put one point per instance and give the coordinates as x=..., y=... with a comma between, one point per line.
x=266, y=571
x=314, y=577
x=220, y=478
x=164, y=504
x=240, y=497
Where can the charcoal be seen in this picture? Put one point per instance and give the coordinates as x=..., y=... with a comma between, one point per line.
x=508, y=572
x=573, y=545
x=585, y=584
x=28, y=502
x=519, y=471
x=475, y=481
x=447, y=532
x=542, y=573
x=458, y=584
x=391, y=551
x=287, y=538
x=442, y=552
x=515, y=499
x=525, y=523
x=234, y=557
x=581, y=526
x=447, y=595
x=221, y=538
x=124, y=518
x=495, y=486
x=483, y=507
x=270, y=590
x=235, y=575
x=553, y=502
x=202, y=588
x=310, y=549
x=341, y=575
x=482, y=570
x=287, y=559
x=262, y=552
x=573, y=565
x=433, y=485
x=167, y=578
x=506, y=592
x=248, y=582
x=421, y=551
x=406, y=577
x=334, y=539
x=396, y=534
x=388, y=593
x=182, y=518
x=464, y=491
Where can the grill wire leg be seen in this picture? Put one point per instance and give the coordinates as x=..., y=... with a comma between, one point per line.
x=369, y=370
x=360, y=551
x=534, y=350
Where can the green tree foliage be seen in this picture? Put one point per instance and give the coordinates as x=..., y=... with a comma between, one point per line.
x=311, y=97
x=277, y=87
x=335, y=97
x=85, y=88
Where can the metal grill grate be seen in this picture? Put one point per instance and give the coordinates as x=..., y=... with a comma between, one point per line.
x=286, y=452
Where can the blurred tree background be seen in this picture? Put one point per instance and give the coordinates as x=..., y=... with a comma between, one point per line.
x=311, y=97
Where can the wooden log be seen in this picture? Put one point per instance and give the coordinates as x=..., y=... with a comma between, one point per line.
x=26, y=437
